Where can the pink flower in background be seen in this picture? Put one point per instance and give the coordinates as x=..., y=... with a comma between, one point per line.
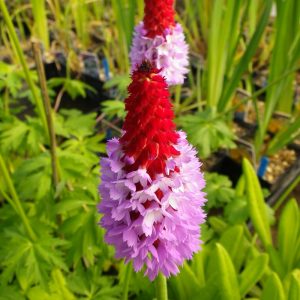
x=168, y=52
x=161, y=41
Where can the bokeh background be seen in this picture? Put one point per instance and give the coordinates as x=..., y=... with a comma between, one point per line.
x=64, y=72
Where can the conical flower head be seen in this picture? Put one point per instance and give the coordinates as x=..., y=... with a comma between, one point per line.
x=159, y=16
x=149, y=130
x=151, y=183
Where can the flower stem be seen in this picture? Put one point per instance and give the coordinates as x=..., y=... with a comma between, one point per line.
x=128, y=273
x=36, y=47
x=15, y=201
x=161, y=287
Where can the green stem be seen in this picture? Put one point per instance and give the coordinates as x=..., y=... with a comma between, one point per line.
x=48, y=110
x=286, y=193
x=6, y=102
x=15, y=199
x=161, y=287
x=19, y=51
x=128, y=273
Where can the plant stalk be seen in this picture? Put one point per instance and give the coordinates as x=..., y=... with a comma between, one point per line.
x=36, y=46
x=16, y=203
x=16, y=45
x=128, y=273
x=161, y=287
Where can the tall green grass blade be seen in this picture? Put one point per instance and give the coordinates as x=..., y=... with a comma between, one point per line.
x=294, y=291
x=19, y=52
x=285, y=136
x=289, y=230
x=242, y=65
x=124, y=14
x=16, y=203
x=287, y=26
x=273, y=289
x=40, y=21
x=286, y=55
x=216, y=63
x=225, y=275
x=276, y=261
x=253, y=272
x=234, y=242
x=80, y=15
x=256, y=204
x=286, y=193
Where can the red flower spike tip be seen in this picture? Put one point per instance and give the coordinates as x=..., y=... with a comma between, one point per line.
x=149, y=128
x=159, y=15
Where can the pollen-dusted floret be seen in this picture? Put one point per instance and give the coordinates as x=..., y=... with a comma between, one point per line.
x=151, y=184
x=167, y=51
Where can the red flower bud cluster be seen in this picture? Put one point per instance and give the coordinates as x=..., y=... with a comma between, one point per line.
x=159, y=15
x=149, y=128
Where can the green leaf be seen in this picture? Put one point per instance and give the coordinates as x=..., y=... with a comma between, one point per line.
x=256, y=204
x=84, y=235
x=207, y=132
x=288, y=233
x=21, y=136
x=73, y=87
x=72, y=122
x=217, y=224
x=222, y=270
x=273, y=289
x=114, y=108
x=236, y=212
x=253, y=273
x=243, y=64
x=10, y=292
x=286, y=135
x=59, y=285
x=33, y=177
x=294, y=291
x=218, y=189
x=187, y=283
x=90, y=284
x=234, y=242
x=30, y=262
x=276, y=261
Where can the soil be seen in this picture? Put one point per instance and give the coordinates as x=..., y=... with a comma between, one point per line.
x=279, y=163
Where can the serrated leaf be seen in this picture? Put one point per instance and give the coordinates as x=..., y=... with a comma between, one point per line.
x=114, y=108
x=73, y=122
x=33, y=177
x=89, y=284
x=207, y=132
x=218, y=189
x=30, y=261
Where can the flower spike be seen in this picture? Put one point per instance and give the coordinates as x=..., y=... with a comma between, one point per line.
x=151, y=184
